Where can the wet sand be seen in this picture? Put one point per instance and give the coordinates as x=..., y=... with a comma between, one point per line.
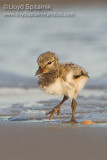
x=30, y=141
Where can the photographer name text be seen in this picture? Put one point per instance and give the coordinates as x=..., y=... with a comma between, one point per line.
x=27, y=7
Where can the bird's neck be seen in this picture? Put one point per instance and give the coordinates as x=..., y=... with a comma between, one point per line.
x=48, y=78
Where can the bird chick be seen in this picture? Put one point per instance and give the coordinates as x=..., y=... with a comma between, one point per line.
x=65, y=79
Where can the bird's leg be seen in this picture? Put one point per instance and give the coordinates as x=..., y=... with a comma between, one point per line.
x=73, y=106
x=57, y=108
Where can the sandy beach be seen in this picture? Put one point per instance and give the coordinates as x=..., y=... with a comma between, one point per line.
x=31, y=141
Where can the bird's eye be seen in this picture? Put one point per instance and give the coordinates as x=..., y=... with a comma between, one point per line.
x=49, y=62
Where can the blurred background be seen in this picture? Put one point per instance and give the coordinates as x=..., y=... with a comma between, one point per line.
x=81, y=39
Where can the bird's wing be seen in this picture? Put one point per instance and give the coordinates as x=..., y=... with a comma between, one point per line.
x=75, y=70
x=78, y=71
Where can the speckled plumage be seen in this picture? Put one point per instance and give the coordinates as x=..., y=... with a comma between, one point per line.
x=47, y=79
x=58, y=70
x=64, y=79
x=61, y=71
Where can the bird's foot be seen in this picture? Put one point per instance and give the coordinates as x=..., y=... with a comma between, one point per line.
x=73, y=121
x=52, y=112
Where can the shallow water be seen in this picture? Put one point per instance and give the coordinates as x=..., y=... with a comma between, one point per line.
x=31, y=105
x=81, y=39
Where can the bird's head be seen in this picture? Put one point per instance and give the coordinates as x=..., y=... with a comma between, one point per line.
x=47, y=61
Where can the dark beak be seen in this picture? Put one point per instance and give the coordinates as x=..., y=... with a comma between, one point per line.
x=39, y=71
